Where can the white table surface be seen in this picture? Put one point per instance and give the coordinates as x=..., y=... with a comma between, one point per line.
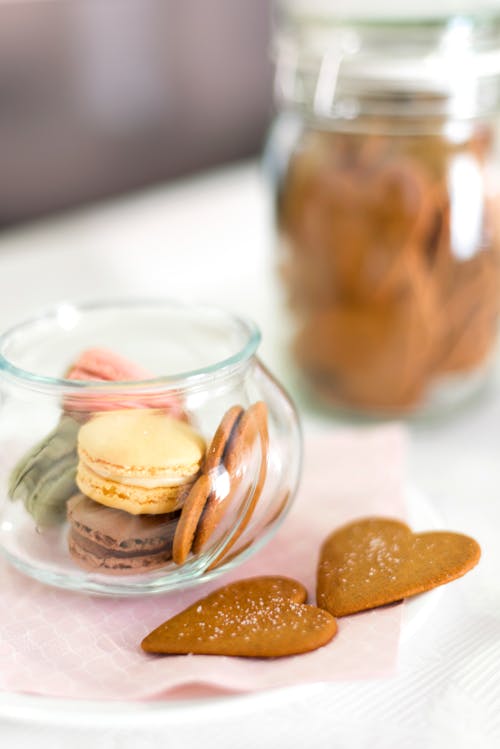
x=211, y=239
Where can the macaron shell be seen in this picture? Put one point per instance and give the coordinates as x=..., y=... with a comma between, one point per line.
x=111, y=565
x=133, y=499
x=141, y=442
x=103, y=365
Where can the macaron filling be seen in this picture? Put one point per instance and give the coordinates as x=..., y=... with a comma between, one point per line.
x=145, y=482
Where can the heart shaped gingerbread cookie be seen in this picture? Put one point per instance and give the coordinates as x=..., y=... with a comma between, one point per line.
x=375, y=561
x=262, y=617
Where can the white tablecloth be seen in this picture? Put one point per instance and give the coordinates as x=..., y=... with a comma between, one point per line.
x=211, y=239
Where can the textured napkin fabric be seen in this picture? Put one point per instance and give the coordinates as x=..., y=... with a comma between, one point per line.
x=57, y=643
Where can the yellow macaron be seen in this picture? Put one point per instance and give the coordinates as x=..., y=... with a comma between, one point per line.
x=138, y=460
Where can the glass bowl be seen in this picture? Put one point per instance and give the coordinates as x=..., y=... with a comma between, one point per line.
x=143, y=446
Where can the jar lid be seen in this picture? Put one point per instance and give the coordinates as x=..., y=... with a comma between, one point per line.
x=336, y=62
x=388, y=9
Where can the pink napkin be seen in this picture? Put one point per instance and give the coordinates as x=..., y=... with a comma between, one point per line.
x=56, y=643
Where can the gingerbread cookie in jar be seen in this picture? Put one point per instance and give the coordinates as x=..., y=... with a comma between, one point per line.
x=387, y=202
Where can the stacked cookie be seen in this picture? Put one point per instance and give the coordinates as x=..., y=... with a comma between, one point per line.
x=44, y=478
x=134, y=477
x=152, y=492
x=225, y=481
x=135, y=469
x=391, y=289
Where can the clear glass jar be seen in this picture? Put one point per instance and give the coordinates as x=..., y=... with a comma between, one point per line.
x=385, y=160
x=146, y=485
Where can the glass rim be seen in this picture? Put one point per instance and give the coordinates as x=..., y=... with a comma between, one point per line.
x=175, y=381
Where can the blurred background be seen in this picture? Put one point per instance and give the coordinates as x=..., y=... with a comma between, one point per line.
x=98, y=97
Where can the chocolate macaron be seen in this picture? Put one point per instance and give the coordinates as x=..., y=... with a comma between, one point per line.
x=113, y=542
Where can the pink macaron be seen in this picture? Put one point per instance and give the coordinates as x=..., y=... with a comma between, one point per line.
x=102, y=365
